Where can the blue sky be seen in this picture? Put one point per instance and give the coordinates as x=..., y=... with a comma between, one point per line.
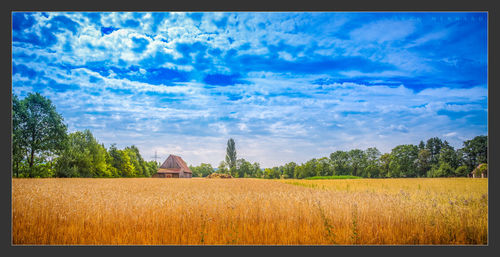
x=287, y=86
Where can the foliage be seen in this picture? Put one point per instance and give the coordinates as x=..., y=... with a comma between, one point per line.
x=231, y=154
x=434, y=146
x=203, y=170
x=41, y=148
x=334, y=177
x=404, y=161
x=38, y=130
x=475, y=151
x=423, y=161
x=272, y=173
x=339, y=161
x=462, y=171
x=82, y=157
x=356, y=160
x=222, y=168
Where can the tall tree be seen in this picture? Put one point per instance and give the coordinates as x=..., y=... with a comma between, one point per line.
x=42, y=128
x=231, y=154
x=421, y=145
x=448, y=155
x=434, y=146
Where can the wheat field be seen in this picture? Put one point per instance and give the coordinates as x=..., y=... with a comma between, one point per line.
x=198, y=211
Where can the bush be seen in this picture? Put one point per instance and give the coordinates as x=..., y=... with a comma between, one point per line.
x=462, y=171
x=445, y=170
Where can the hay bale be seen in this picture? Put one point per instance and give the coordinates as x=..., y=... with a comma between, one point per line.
x=218, y=175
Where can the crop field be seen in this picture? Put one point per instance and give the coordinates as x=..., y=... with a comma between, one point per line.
x=198, y=211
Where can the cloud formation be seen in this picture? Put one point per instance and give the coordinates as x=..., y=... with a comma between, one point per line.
x=286, y=86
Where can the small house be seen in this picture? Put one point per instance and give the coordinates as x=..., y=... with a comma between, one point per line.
x=173, y=167
x=480, y=169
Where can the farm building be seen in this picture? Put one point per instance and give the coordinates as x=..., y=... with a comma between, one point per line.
x=480, y=169
x=173, y=167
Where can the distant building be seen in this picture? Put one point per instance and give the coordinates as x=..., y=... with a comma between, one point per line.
x=173, y=167
x=480, y=170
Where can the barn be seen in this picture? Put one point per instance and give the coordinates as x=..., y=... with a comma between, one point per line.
x=173, y=167
x=480, y=169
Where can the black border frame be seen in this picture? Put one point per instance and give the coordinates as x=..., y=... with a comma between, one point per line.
x=310, y=5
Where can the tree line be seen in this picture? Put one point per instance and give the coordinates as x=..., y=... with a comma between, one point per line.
x=41, y=146
x=433, y=158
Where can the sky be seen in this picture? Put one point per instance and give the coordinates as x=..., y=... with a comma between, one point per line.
x=286, y=86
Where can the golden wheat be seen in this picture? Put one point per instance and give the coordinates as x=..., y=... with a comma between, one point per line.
x=145, y=211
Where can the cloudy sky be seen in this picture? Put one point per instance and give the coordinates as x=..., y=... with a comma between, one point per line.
x=286, y=86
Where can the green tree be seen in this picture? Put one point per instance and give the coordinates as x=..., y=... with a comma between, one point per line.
x=424, y=162
x=202, y=171
x=449, y=155
x=205, y=169
x=222, y=169
x=385, y=161
x=231, y=155
x=152, y=167
x=40, y=127
x=19, y=142
x=137, y=161
x=244, y=168
x=272, y=173
x=475, y=151
x=443, y=170
x=462, y=171
x=257, y=171
x=121, y=162
x=324, y=167
x=82, y=156
x=434, y=146
x=125, y=165
x=372, y=169
x=289, y=169
x=299, y=172
x=357, y=161
x=404, y=161
x=421, y=145
x=309, y=168
x=339, y=160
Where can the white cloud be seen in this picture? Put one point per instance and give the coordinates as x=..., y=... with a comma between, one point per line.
x=384, y=30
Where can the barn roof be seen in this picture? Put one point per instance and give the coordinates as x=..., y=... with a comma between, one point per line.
x=174, y=164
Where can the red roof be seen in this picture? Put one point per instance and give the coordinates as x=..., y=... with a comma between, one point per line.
x=169, y=170
x=174, y=164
